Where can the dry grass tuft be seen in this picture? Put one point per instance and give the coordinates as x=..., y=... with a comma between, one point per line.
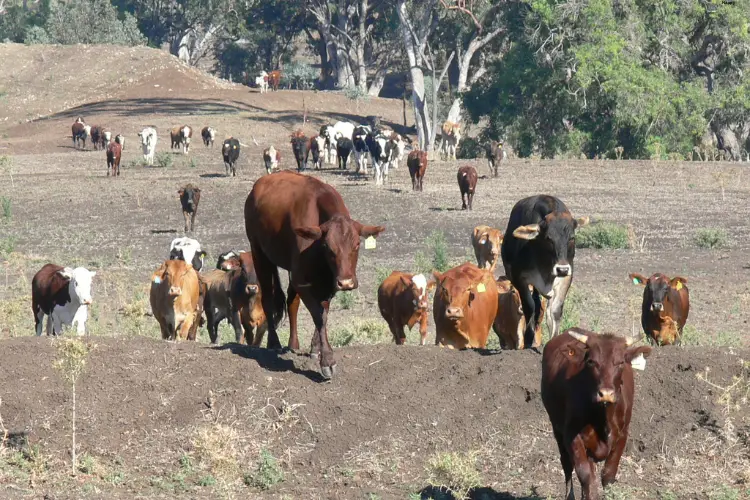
x=216, y=448
x=455, y=472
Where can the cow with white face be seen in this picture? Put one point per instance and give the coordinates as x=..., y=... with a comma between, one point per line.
x=261, y=81
x=63, y=294
x=148, y=142
x=403, y=302
x=395, y=149
x=189, y=250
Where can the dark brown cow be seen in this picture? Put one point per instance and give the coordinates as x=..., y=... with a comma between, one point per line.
x=417, y=164
x=247, y=301
x=114, y=152
x=299, y=148
x=190, y=196
x=510, y=324
x=273, y=79
x=402, y=300
x=587, y=390
x=96, y=136
x=494, y=152
x=665, y=308
x=302, y=225
x=464, y=307
x=80, y=132
x=467, y=183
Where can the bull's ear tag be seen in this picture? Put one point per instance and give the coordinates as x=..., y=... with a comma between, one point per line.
x=679, y=285
x=481, y=288
x=157, y=280
x=639, y=362
x=370, y=243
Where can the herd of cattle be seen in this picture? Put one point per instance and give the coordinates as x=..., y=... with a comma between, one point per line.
x=300, y=224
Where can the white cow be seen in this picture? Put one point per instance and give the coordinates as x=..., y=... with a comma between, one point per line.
x=262, y=82
x=148, y=141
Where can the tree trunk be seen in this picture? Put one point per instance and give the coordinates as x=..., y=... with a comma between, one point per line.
x=421, y=118
x=345, y=76
x=377, y=82
x=360, y=47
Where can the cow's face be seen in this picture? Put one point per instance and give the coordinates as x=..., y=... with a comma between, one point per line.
x=491, y=239
x=189, y=250
x=416, y=290
x=555, y=237
x=456, y=296
x=605, y=358
x=656, y=288
x=189, y=196
x=228, y=261
x=340, y=239
x=79, y=285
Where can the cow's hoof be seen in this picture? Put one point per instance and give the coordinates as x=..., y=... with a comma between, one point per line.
x=314, y=355
x=328, y=371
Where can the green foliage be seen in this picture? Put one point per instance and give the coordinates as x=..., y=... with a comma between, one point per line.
x=362, y=332
x=86, y=21
x=267, y=474
x=7, y=207
x=355, y=94
x=7, y=247
x=163, y=160
x=345, y=300
x=71, y=358
x=710, y=238
x=300, y=76
x=692, y=337
x=207, y=480
x=602, y=235
x=470, y=148
x=455, y=472
x=36, y=35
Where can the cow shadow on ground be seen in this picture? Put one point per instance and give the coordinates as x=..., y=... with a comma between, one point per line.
x=212, y=176
x=445, y=209
x=163, y=231
x=269, y=359
x=437, y=493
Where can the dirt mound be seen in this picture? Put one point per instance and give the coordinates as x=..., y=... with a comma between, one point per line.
x=148, y=409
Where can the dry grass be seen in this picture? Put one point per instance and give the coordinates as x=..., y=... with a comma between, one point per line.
x=455, y=472
x=215, y=448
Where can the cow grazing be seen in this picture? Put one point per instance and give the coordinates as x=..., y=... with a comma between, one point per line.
x=190, y=196
x=359, y=140
x=148, y=142
x=64, y=295
x=376, y=147
x=274, y=79
x=181, y=136
x=394, y=149
x=402, y=300
x=81, y=132
x=247, y=301
x=96, y=136
x=495, y=154
x=465, y=306
x=189, y=250
x=588, y=390
x=538, y=249
x=450, y=138
x=175, y=300
x=665, y=308
x=120, y=139
x=209, y=135
x=261, y=81
x=315, y=148
x=302, y=225
x=487, y=242
x=228, y=261
x=271, y=158
x=299, y=148
x=509, y=324
x=417, y=164
x=344, y=148
x=467, y=184
x=114, y=153
x=230, y=150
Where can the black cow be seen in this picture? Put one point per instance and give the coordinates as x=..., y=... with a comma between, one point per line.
x=299, y=148
x=344, y=148
x=190, y=197
x=538, y=250
x=231, y=152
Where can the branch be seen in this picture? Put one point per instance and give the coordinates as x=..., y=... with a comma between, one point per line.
x=461, y=7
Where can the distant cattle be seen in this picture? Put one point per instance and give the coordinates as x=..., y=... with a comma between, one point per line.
x=465, y=306
x=96, y=136
x=271, y=159
x=665, y=307
x=189, y=250
x=495, y=155
x=301, y=224
x=181, y=136
x=174, y=298
x=376, y=147
x=209, y=135
x=510, y=324
x=261, y=81
x=417, y=164
x=81, y=132
x=230, y=151
x=106, y=138
x=190, y=197
x=299, y=149
x=538, y=249
x=344, y=148
x=63, y=294
x=274, y=79
x=148, y=142
x=467, y=184
x=588, y=391
x=402, y=300
x=120, y=139
x=450, y=138
x=394, y=149
x=487, y=242
x=114, y=153
x=316, y=149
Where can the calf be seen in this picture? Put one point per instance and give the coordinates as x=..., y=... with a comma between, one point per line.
x=271, y=158
x=96, y=136
x=247, y=301
x=189, y=250
x=274, y=78
x=63, y=294
x=359, y=140
x=538, y=249
x=467, y=184
x=344, y=148
x=665, y=308
x=80, y=132
x=114, y=152
x=465, y=306
x=487, y=242
x=209, y=135
x=217, y=303
x=228, y=261
x=402, y=300
x=299, y=148
x=450, y=138
x=376, y=148
x=417, y=164
x=394, y=149
x=588, y=390
x=509, y=324
x=315, y=147
x=120, y=139
x=262, y=82
x=148, y=142
x=181, y=137
x=494, y=152
x=190, y=196
x=175, y=300
x=230, y=150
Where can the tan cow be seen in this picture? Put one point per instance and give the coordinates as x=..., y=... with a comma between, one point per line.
x=450, y=138
x=510, y=324
x=487, y=242
x=402, y=300
x=175, y=299
x=247, y=301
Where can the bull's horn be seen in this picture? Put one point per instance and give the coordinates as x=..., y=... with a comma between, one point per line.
x=579, y=337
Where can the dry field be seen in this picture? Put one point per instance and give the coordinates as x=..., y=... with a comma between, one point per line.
x=160, y=420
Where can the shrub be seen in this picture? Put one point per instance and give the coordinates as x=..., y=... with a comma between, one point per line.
x=36, y=35
x=709, y=238
x=92, y=22
x=602, y=235
x=470, y=148
x=455, y=472
x=345, y=300
x=300, y=76
x=163, y=160
x=267, y=474
x=7, y=207
x=365, y=332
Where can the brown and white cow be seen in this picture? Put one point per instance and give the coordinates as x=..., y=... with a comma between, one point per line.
x=175, y=299
x=402, y=300
x=450, y=138
x=665, y=307
x=271, y=159
x=209, y=135
x=190, y=197
x=417, y=165
x=467, y=184
x=96, y=136
x=394, y=149
x=181, y=136
x=120, y=139
x=588, y=391
x=510, y=324
x=80, y=132
x=487, y=242
x=274, y=79
x=465, y=306
x=317, y=148
x=63, y=294
x=114, y=153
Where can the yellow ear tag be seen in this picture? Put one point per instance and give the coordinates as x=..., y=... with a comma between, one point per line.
x=678, y=286
x=481, y=288
x=370, y=243
x=234, y=147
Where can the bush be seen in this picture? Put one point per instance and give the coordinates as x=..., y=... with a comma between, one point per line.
x=92, y=22
x=470, y=148
x=163, y=160
x=365, y=332
x=35, y=35
x=709, y=238
x=602, y=235
x=267, y=474
x=300, y=76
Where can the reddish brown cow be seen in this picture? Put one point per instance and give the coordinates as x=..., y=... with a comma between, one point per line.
x=96, y=136
x=587, y=390
x=302, y=225
x=465, y=306
x=467, y=183
x=487, y=242
x=273, y=79
x=114, y=152
x=417, y=164
x=402, y=299
x=665, y=308
x=247, y=301
x=510, y=323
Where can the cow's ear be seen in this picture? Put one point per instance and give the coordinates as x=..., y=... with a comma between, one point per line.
x=638, y=279
x=677, y=282
x=582, y=221
x=366, y=231
x=437, y=276
x=431, y=283
x=310, y=233
x=181, y=191
x=528, y=232
x=66, y=273
x=406, y=281
x=634, y=352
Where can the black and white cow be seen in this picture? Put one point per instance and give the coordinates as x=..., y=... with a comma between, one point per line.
x=376, y=144
x=189, y=250
x=361, y=151
x=230, y=150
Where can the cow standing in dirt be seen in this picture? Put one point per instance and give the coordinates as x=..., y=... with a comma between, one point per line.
x=299, y=149
x=416, y=162
x=181, y=136
x=402, y=300
x=209, y=135
x=114, y=153
x=665, y=307
x=271, y=158
x=467, y=184
x=64, y=295
x=190, y=197
x=230, y=151
x=175, y=300
x=510, y=324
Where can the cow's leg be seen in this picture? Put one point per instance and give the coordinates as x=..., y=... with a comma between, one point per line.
x=260, y=332
x=292, y=307
x=319, y=312
x=272, y=296
x=187, y=219
x=529, y=310
x=79, y=320
x=213, y=322
x=585, y=469
x=471, y=199
x=192, y=219
x=463, y=200
x=423, y=328
x=567, y=465
x=612, y=463
x=555, y=305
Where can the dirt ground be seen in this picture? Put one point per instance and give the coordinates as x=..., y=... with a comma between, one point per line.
x=188, y=420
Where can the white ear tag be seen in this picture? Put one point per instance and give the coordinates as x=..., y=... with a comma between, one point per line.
x=639, y=362
x=481, y=288
x=370, y=243
x=157, y=280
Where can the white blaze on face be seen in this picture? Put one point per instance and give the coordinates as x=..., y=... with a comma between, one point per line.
x=420, y=282
x=87, y=130
x=80, y=284
x=211, y=133
x=186, y=134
